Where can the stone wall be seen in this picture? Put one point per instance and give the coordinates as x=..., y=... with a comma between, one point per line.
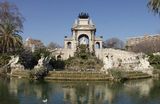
x=62, y=53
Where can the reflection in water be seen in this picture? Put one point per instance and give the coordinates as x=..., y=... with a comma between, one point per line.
x=142, y=86
x=5, y=96
x=21, y=91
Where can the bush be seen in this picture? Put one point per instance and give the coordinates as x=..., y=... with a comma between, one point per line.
x=57, y=64
x=38, y=73
x=118, y=74
x=27, y=59
x=39, y=52
x=83, y=61
x=4, y=59
x=154, y=60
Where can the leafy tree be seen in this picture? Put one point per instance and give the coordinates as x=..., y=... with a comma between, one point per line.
x=10, y=12
x=10, y=41
x=154, y=60
x=57, y=64
x=39, y=52
x=154, y=5
x=53, y=45
x=27, y=59
x=113, y=43
x=82, y=51
x=11, y=24
x=4, y=59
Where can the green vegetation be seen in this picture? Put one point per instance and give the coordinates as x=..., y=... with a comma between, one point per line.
x=154, y=60
x=57, y=65
x=117, y=74
x=11, y=23
x=10, y=40
x=113, y=43
x=83, y=61
x=122, y=75
x=11, y=26
x=154, y=5
x=4, y=59
x=39, y=73
x=30, y=59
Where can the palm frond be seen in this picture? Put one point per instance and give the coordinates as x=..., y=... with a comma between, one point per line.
x=154, y=5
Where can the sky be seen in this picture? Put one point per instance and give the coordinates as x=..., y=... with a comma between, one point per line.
x=51, y=20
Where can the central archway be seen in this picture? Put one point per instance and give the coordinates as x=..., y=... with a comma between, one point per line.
x=83, y=39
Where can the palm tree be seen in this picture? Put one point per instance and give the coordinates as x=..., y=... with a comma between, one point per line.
x=154, y=5
x=10, y=40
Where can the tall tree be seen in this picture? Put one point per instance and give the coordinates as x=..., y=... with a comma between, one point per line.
x=113, y=43
x=11, y=24
x=10, y=12
x=154, y=5
x=53, y=45
x=10, y=41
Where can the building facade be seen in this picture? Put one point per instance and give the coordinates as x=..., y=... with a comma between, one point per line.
x=136, y=40
x=33, y=44
x=83, y=31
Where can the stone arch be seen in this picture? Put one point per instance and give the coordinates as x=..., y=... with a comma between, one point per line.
x=97, y=45
x=59, y=57
x=69, y=45
x=83, y=39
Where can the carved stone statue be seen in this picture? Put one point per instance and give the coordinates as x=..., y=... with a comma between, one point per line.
x=144, y=65
x=42, y=68
x=14, y=65
x=83, y=41
x=108, y=63
x=43, y=62
x=40, y=62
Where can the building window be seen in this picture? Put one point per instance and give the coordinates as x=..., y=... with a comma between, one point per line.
x=69, y=45
x=97, y=45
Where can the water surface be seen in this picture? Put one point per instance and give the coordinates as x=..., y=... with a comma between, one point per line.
x=22, y=91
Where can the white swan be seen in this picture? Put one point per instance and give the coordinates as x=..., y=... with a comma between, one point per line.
x=45, y=100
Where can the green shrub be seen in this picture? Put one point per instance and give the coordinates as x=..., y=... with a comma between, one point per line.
x=83, y=60
x=27, y=59
x=154, y=60
x=117, y=74
x=39, y=52
x=4, y=59
x=30, y=59
x=39, y=73
x=57, y=64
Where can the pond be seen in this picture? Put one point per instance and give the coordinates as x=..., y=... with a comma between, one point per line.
x=22, y=91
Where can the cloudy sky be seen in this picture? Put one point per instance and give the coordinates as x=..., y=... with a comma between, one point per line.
x=51, y=20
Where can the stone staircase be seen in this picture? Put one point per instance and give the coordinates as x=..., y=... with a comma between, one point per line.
x=82, y=76
x=88, y=76
x=21, y=74
x=137, y=75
